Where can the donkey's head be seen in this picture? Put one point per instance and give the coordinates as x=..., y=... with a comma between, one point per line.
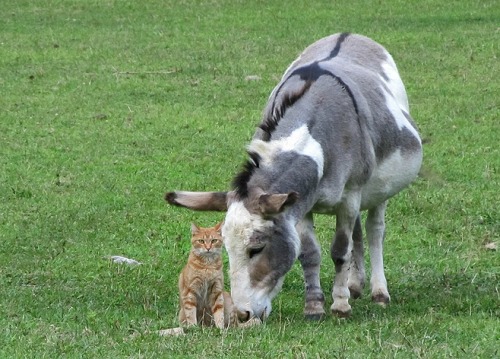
x=261, y=241
x=262, y=245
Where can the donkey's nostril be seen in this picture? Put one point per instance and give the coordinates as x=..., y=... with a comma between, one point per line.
x=244, y=315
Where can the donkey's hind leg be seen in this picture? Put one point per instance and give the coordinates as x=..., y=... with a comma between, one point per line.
x=375, y=231
x=341, y=253
x=310, y=259
x=356, y=280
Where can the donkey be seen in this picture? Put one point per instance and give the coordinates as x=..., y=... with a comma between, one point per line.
x=336, y=138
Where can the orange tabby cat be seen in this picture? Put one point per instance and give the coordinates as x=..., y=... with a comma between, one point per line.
x=201, y=282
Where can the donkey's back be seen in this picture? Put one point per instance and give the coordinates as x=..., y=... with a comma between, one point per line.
x=347, y=90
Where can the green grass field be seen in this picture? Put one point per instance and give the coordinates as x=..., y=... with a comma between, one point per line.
x=105, y=105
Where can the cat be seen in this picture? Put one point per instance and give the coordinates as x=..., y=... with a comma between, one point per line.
x=202, y=298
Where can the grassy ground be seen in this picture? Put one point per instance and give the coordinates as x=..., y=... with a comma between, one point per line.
x=105, y=105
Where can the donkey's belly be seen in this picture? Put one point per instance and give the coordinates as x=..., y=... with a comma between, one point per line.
x=392, y=175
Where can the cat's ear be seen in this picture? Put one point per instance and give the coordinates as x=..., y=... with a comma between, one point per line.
x=218, y=227
x=194, y=228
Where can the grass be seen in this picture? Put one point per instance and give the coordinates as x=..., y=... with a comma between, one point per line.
x=105, y=105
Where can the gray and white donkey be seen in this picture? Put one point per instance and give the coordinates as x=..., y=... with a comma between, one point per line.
x=336, y=138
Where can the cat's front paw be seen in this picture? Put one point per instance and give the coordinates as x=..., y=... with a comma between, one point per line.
x=250, y=323
x=172, y=332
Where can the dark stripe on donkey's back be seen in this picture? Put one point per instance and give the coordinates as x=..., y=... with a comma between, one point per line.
x=336, y=49
x=309, y=73
x=314, y=71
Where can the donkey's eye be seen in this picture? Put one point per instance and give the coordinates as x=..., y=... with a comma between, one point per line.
x=252, y=252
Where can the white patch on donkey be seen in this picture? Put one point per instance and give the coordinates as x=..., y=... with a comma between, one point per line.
x=384, y=182
x=238, y=227
x=299, y=141
x=396, y=100
x=394, y=83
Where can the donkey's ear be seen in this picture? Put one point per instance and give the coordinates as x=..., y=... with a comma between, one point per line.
x=270, y=204
x=194, y=228
x=198, y=201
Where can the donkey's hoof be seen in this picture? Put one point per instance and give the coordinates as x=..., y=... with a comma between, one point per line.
x=314, y=310
x=341, y=311
x=341, y=314
x=381, y=299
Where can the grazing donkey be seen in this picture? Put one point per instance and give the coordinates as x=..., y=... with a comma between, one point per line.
x=336, y=138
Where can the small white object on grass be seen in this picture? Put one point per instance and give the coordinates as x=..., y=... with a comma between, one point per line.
x=252, y=78
x=492, y=246
x=120, y=259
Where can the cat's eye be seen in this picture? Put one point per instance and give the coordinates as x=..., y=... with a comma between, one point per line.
x=252, y=252
x=201, y=241
x=214, y=240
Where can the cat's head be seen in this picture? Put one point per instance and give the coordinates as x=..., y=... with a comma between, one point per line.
x=207, y=241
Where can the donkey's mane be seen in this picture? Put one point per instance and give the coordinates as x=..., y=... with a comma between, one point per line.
x=277, y=113
x=240, y=181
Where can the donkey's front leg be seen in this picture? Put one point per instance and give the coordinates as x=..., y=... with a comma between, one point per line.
x=375, y=231
x=340, y=252
x=310, y=259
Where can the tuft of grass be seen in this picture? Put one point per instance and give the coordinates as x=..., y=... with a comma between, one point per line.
x=105, y=105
